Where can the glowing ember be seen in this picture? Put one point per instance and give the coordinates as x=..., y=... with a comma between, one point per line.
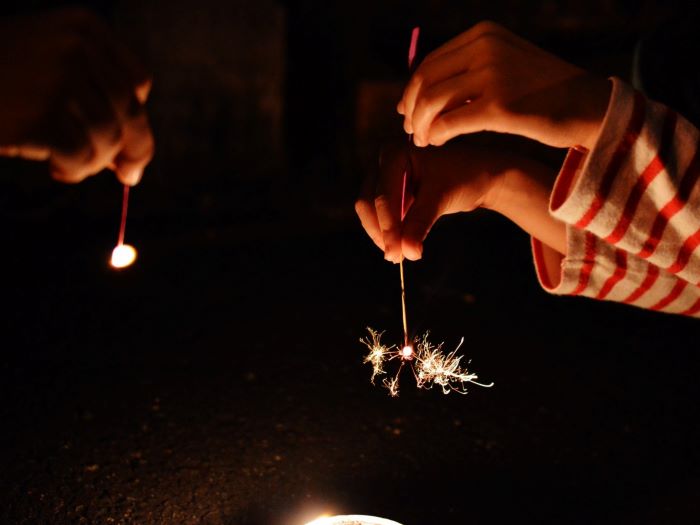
x=432, y=366
x=123, y=255
x=352, y=520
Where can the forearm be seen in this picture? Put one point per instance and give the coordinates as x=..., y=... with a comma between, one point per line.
x=631, y=209
x=522, y=194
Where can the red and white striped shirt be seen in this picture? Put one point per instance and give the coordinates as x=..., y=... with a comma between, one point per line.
x=632, y=210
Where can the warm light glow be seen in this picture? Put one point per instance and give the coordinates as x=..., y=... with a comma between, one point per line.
x=123, y=255
x=318, y=520
x=407, y=352
x=355, y=519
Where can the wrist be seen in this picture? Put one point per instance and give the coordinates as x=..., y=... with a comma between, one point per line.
x=521, y=192
x=593, y=99
x=506, y=185
x=493, y=196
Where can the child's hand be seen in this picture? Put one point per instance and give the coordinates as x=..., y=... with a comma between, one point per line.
x=460, y=176
x=488, y=79
x=441, y=181
x=72, y=95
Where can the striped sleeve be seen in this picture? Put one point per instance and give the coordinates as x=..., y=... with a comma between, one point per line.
x=632, y=210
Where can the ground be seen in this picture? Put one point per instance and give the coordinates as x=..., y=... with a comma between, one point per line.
x=220, y=381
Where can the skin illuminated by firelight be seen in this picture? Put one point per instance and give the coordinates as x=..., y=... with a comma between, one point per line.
x=352, y=520
x=430, y=365
x=123, y=255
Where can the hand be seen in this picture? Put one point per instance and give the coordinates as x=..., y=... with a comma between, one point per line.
x=460, y=176
x=74, y=96
x=441, y=181
x=488, y=79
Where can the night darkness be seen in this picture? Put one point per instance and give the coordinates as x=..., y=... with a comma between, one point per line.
x=220, y=379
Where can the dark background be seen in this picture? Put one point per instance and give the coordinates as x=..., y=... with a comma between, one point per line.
x=220, y=379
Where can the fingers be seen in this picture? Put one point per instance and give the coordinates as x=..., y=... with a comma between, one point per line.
x=447, y=60
x=379, y=204
x=127, y=85
x=465, y=119
x=448, y=180
x=429, y=73
x=96, y=126
x=455, y=75
x=137, y=149
x=80, y=153
x=426, y=210
x=104, y=129
x=109, y=92
x=445, y=96
x=364, y=207
x=387, y=200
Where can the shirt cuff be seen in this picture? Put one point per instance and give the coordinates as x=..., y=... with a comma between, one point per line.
x=574, y=196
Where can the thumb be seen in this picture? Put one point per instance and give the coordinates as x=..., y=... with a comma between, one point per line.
x=143, y=90
x=424, y=212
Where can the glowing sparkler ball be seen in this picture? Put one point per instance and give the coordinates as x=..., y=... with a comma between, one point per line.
x=354, y=519
x=123, y=255
x=407, y=352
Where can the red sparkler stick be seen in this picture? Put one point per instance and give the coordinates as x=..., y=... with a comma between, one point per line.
x=413, y=47
x=125, y=207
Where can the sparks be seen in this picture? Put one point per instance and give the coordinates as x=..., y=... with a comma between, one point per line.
x=430, y=365
x=434, y=367
x=392, y=385
x=378, y=353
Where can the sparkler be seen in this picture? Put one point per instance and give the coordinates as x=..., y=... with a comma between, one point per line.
x=430, y=365
x=123, y=255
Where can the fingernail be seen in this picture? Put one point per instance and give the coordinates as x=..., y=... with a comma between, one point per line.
x=401, y=107
x=391, y=258
x=413, y=253
x=418, y=141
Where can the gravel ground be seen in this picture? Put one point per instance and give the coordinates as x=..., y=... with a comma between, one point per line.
x=220, y=381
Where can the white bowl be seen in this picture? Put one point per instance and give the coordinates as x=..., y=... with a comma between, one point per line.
x=354, y=519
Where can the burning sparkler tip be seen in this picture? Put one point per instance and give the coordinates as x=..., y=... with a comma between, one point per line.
x=123, y=255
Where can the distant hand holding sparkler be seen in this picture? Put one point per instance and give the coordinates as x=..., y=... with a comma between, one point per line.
x=75, y=97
